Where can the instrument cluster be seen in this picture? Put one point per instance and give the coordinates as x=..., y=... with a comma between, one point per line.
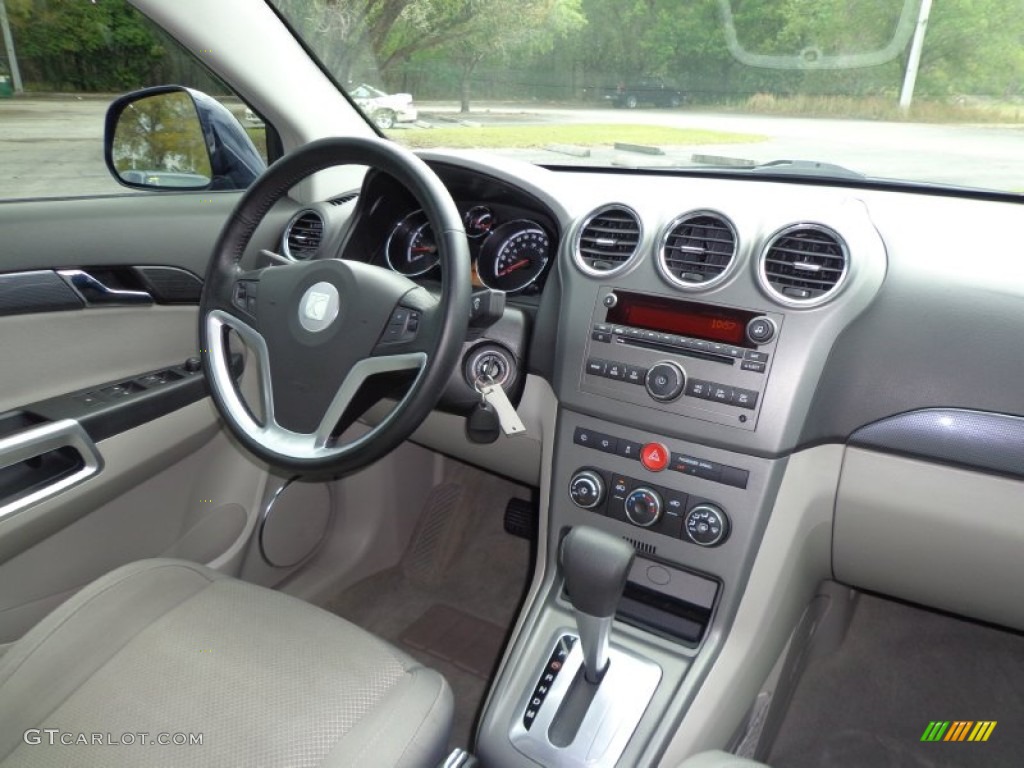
x=510, y=253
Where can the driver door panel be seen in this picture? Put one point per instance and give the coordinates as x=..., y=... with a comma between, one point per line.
x=163, y=478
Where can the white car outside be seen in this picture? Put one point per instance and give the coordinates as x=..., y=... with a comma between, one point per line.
x=384, y=109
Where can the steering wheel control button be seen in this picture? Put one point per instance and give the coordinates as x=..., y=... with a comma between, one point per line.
x=655, y=457
x=665, y=381
x=643, y=507
x=402, y=326
x=586, y=489
x=745, y=398
x=628, y=449
x=706, y=525
x=319, y=307
x=761, y=330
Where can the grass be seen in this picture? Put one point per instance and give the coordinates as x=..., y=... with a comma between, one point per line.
x=582, y=135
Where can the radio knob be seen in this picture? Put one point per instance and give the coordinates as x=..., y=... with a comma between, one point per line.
x=586, y=489
x=706, y=525
x=761, y=330
x=665, y=381
x=643, y=507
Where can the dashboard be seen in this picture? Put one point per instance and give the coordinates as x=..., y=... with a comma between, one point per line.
x=700, y=333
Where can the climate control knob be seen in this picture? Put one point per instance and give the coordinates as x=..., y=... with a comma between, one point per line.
x=643, y=507
x=586, y=489
x=706, y=525
x=665, y=381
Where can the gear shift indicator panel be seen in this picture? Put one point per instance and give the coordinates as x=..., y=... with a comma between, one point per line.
x=547, y=678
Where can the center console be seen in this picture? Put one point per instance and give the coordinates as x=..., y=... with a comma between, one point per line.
x=678, y=406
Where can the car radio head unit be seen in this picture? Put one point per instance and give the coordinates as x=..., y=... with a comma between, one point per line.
x=686, y=318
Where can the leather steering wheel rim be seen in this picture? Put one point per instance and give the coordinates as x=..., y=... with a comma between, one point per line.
x=279, y=310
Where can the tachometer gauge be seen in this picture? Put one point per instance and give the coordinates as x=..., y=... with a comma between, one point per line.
x=514, y=256
x=411, y=249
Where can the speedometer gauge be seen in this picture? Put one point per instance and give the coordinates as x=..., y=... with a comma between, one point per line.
x=514, y=256
x=411, y=249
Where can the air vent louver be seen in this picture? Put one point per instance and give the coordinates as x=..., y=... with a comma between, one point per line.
x=608, y=240
x=303, y=235
x=804, y=265
x=697, y=250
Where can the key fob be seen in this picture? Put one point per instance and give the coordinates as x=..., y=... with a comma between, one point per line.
x=483, y=425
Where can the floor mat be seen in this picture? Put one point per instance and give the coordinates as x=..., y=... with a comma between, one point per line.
x=900, y=668
x=460, y=567
x=471, y=644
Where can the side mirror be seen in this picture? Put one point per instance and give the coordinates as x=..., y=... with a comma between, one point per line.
x=171, y=137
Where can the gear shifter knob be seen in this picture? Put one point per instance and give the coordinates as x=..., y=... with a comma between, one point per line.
x=595, y=565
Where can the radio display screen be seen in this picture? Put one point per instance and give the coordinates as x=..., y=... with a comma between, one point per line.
x=684, y=318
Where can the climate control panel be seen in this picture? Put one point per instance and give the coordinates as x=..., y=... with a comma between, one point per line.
x=651, y=506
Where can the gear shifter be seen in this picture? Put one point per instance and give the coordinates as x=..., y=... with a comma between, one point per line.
x=595, y=565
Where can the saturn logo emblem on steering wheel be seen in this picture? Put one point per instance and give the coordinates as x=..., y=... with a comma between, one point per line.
x=318, y=307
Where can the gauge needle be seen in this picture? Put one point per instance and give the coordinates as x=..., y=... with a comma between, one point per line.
x=424, y=249
x=513, y=267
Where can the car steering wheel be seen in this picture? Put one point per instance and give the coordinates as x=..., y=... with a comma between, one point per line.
x=321, y=329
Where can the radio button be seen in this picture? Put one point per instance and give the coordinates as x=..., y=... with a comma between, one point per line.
x=721, y=393
x=698, y=388
x=745, y=398
x=737, y=353
x=603, y=328
x=757, y=357
x=629, y=449
x=635, y=374
x=665, y=381
x=615, y=371
x=654, y=456
x=602, y=336
x=700, y=346
x=750, y=365
x=761, y=330
x=596, y=367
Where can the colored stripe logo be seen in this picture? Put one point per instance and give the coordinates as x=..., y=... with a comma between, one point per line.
x=958, y=730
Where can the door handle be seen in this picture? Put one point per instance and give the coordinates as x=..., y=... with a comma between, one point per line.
x=95, y=291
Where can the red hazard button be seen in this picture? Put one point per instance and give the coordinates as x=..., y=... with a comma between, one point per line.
x=654, y=456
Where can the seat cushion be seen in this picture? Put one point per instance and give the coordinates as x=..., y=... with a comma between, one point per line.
x=170, y=647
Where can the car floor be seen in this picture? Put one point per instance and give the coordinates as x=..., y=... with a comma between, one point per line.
x=897, y=669
x=451, y=601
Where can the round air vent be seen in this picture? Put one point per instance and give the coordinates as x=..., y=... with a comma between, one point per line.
x=302, y=236
x=697, y=250
x=804, y=265
x=608, y=240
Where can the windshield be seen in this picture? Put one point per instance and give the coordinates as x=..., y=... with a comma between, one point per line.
x=889, y=89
